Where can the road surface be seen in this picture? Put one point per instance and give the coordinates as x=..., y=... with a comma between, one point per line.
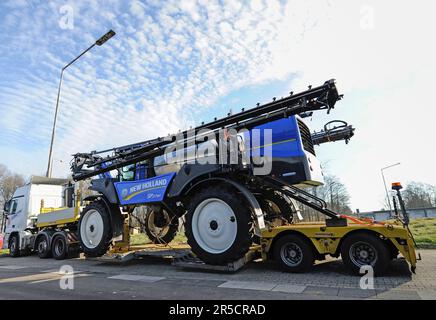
x=33, y=278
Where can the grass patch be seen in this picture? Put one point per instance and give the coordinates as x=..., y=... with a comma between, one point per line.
x=424, y=231
x=4, y=251
x=141, y=238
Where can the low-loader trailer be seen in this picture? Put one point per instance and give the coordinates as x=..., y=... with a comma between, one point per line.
x=52, y=232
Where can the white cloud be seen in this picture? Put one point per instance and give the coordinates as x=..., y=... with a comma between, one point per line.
x=172, y=60
x=137, y=9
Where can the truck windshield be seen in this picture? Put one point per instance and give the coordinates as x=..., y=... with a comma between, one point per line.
x=13, y=207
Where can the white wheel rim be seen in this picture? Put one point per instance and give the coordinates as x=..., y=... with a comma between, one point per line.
x=91, y=229
x=214, y=225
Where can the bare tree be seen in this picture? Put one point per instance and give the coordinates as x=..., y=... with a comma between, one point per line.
x=419, y=195
x=82, y=187
x=334, y=193
x=8, y=183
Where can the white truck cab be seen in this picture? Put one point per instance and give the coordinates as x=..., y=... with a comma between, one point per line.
x=38, y=211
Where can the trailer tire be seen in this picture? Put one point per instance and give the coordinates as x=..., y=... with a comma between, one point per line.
x=95, y=231
x=59, y=247
x=14, y=246
x=362, y=249
x=219, y=226
x=43, y=247
x=293, y=253
x=164, y=230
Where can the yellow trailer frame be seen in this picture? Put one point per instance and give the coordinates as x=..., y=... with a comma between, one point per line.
x=327, y=240
x=50, y=217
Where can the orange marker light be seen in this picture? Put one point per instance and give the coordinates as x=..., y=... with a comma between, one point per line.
x=396, y=186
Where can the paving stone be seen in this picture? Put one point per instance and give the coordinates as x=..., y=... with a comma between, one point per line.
x=427, y=294
x=249, y=285
x=289, y=288
x=133, y=277
x=357, y=293
x=398, y=295
x=13, y=267
x=318, y=290
x=193, y=282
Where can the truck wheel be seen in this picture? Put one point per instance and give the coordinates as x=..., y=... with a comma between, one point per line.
x=14, y=246
x=161, y=226
x=42, y=247
x=218, y=225
x=362, y=249
x=293, y=253
x=95, y=232
x=59, y=248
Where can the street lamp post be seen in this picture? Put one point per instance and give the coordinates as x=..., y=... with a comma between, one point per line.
x=99, y=42
x=386, y=189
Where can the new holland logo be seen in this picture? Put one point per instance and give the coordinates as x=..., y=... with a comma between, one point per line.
x=142, y=188
x=124, y=192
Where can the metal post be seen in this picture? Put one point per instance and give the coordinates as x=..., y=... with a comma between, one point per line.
x=99, y=42
x=386, y=189
x=387, y=194
x=50, y=164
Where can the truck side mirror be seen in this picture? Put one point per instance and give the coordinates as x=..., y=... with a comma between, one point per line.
x=6, y=207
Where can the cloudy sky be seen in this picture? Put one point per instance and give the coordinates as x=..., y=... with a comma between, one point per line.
x=176, y=63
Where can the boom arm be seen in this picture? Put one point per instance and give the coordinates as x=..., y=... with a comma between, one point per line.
x=341, y=132
x=323, y=97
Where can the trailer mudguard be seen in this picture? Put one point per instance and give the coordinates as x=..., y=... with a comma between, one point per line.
x=143, y=191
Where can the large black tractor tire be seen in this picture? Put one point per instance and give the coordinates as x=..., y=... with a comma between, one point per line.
x=364, y=249
x=277, y=208
x=14, y=246
x=59, y=247
x=219, y=225
x=293, y=253
x=42, y=247
x=161, y=225
x=95, y=230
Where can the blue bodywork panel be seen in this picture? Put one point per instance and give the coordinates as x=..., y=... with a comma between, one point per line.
x=105, y=174
x=143, y=191
x=286, y=140
x=141, y=171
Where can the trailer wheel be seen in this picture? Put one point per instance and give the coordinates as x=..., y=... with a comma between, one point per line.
x=362, y=249
x=42, y=247
x=293, y=253
x=95, y=232
x=161, y=226
x=59, y=248
x=218, y=225
x=14, y=246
